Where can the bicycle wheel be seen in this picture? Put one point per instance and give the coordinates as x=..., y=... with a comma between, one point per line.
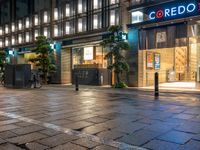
x=2, y=82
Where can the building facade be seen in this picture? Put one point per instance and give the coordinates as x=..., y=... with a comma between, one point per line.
x=164, y=37
x=75, y=29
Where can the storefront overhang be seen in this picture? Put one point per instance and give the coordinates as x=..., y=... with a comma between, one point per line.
x=82, y=40
x=173, y=12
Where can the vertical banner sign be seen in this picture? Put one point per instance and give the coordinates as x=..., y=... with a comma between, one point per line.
x=173, y=10
x=157, y=61
x=150, y=60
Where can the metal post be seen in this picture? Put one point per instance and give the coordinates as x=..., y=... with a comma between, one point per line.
x=76, y=83
x=34, y=80
x=156, y=84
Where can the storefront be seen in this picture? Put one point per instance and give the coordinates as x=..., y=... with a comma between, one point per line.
x=168, y=42
x=23, y=55
x=85, y=58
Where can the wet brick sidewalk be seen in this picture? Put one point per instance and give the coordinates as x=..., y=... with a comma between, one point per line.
x=59, y=118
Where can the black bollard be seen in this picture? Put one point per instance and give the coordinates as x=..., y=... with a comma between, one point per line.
x=156, y=84
x=76, y=82
x=34, y=80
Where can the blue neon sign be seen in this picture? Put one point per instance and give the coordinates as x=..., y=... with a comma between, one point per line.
x=173, y=10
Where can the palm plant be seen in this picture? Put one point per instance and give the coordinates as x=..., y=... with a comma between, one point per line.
x=44, y=60
x=116, y=46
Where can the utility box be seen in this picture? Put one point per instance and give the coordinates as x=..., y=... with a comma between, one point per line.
x=17, y=76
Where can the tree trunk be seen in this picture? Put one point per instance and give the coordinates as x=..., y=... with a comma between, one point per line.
x=118, y=78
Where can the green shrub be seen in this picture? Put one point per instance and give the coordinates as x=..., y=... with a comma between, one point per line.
x=120, y=85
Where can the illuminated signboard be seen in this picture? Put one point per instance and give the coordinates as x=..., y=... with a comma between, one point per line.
x=174, y=10
x=88, y=53
x=150, y=60
x=156, y=61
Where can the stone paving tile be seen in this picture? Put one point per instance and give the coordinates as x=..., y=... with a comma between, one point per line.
x=176, y=137
x=36, y=146
x=69, y=146
x=189, y=127
x=8, y=146
x=26, y=138
x=104, y=147
x=23, y=124
x=139, y=138
x=61, y=122
x=50, y=132
x=57, y=140
x=161, y=145
x=191, y=145
x=86, y=143
x=96, y=120
x=7, y=134
x=81, y=117
x=159, y=127
x=111, y=134
x=184, y=116
x=78, y=125
x=8, y=127
x=131, y=127
x=2, y=141
x=94, y=129
x=11, y=121
x=28, y=129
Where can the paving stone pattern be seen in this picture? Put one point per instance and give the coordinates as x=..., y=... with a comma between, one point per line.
x=135, y=118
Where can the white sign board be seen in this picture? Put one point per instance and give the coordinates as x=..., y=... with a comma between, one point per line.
x=161, y=37
x=88, y=53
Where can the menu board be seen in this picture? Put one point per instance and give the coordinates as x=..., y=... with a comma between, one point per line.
x=150, y=60
x=156, y=61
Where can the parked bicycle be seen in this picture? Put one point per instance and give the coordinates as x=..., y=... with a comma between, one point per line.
x=2, y=79
x=35, y=81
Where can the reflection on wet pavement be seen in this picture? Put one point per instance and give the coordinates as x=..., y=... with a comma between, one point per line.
x=104, y=118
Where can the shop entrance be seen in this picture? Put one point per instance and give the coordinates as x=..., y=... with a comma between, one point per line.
x=174, y=65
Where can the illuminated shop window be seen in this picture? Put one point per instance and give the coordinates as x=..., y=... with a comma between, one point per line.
x=114, y=1
x=45, y=17
x=20, y=38
x=97, y=21
x=7, y=29
x=89, y=56
x=6, y=41
x=46, y=32
x=80, y=25
x=20, y=25
x=27, y=22
x=97, y=4
x=55, y=30
x=80, y=6
x=114, y=17
x=1, y=43
x=13, y=40
x=67, y=10
x=55, y=13
x=136, y=17
x=1, y=31
x=13, y=27
x=67, y=28
x=27, y=37
x=36, y=33
x=36, y=20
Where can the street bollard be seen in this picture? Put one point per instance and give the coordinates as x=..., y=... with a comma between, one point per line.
x=156, y=84
x=76, y=83
x=34, y=81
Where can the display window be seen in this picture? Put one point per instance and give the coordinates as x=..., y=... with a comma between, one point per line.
x=89, y=56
